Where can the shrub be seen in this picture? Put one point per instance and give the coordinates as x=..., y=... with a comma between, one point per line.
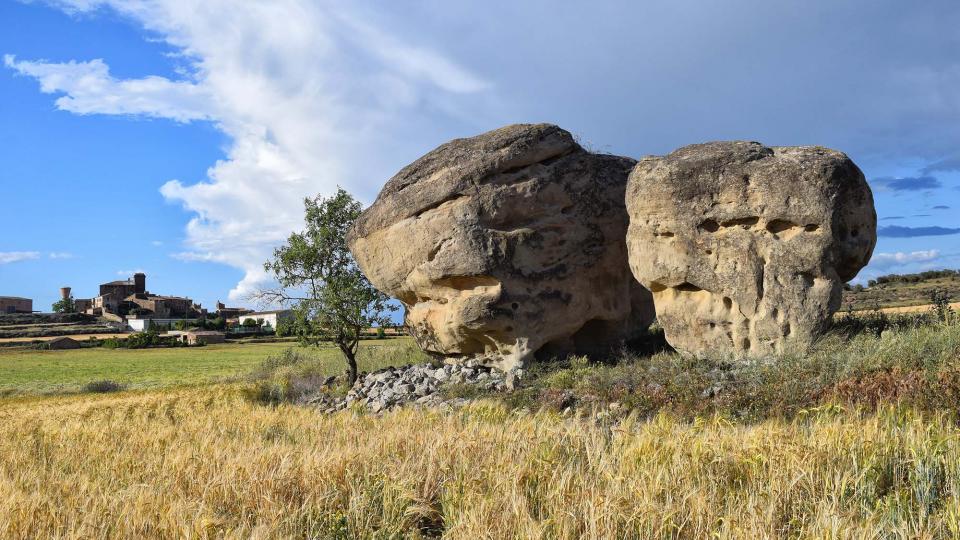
x=465, y=391
x=293, y=376
x=287, y=377
x=875, y=322
x=392, y=354
x=285, y=329
x=910, y=358
x=215, y=323
x=143, y=339
x=941, y=305
x=65, y=305
x=103, y=387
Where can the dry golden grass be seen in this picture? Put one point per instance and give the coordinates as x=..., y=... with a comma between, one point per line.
x=203, y=462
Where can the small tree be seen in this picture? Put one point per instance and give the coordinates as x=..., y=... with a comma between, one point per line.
x=180, y=325
x=216, y=323
x=940, y=301
x=65, y=305
x=333, y=301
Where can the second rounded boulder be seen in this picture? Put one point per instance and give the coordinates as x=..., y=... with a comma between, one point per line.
x=746, y=247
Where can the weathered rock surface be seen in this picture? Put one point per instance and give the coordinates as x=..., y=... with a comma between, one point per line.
x=506, y=245
x=746, y=247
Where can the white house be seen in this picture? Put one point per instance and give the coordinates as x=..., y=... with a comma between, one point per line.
x=270, y=318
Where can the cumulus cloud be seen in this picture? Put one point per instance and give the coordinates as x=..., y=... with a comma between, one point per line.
x=909, y=183
x=90, y=89
x=307, y=92
x=882, y=261
x=896, y=231
x=7, y=257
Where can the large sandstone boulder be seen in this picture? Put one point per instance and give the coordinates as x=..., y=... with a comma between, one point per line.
x=507, y=245
x=746, y=247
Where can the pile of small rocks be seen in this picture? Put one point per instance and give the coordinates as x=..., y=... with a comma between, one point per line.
x=418, y=384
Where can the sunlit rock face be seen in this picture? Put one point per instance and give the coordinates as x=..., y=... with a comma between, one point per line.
x=506, y=246
x=746, y=247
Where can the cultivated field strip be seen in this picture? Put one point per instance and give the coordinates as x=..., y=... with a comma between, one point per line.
x=205, y=463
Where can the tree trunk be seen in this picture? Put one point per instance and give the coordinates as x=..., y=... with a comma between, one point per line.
x=351, y=357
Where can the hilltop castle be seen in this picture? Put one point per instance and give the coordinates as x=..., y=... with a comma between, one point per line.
x=129, y=298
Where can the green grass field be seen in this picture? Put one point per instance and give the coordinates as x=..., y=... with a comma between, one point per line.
x=44, y=372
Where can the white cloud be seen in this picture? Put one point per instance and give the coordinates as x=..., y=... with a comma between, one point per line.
x=310, y=94
x=130, y=273
x=90, y=89
x=885, y=263
x=315, y=93
x=60, y=255
x=882, y=261
x=7, y=257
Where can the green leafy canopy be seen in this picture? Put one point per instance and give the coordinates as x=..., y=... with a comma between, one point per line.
x=319, y=278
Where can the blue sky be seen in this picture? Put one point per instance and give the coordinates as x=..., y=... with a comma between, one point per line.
x=179, y=138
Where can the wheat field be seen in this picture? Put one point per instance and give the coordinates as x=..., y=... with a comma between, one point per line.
x=205, y=463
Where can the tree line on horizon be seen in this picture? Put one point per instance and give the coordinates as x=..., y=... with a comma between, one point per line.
x=913, y=278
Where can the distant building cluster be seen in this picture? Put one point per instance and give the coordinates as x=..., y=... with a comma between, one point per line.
x=129, y=299
x=128, y=302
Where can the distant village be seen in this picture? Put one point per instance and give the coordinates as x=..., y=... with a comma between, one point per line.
x=128, y=304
